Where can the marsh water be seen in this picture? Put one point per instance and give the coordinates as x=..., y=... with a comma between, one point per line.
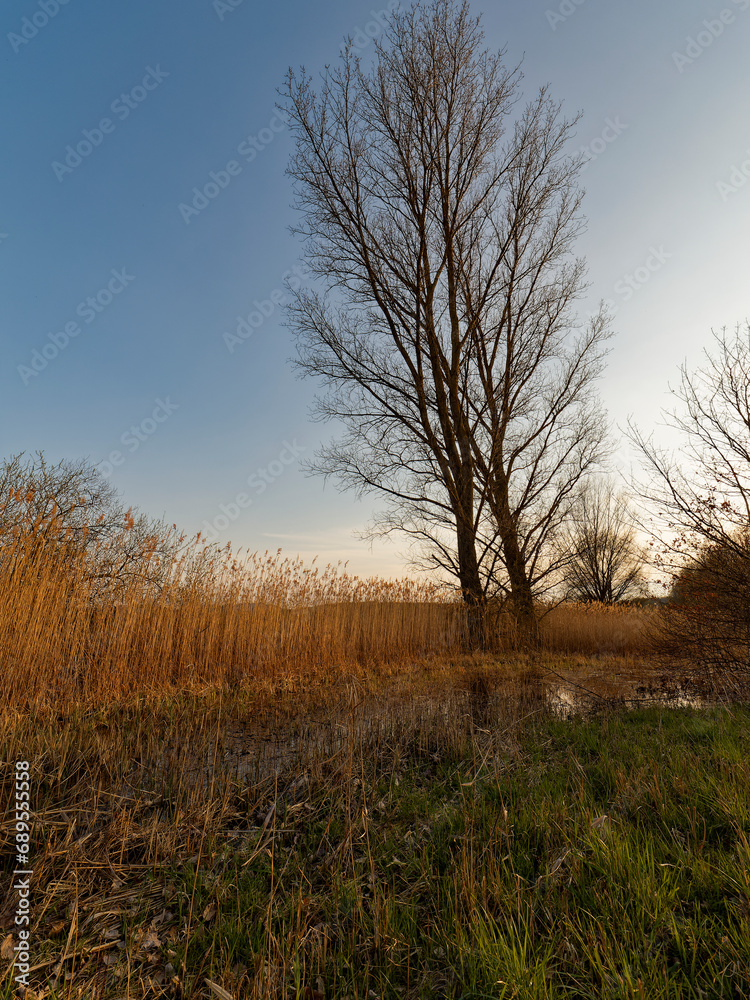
x=277, y=748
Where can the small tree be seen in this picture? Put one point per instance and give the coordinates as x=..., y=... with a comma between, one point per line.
x=703, y=504
x=606, y=561
x=68, y=511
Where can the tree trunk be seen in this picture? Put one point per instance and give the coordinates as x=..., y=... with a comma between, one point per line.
x=471, y=586
x=522, y=599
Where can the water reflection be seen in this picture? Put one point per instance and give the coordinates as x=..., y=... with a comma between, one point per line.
x=567, y=702
x=282, y=749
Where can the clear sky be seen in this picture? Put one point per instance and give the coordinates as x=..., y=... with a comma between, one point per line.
x=120, y=280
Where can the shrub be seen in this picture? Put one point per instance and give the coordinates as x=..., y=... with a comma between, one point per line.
x=707, y=619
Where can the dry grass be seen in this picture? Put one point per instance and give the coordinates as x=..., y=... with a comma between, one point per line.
x=404, y=839
x=198, y=617
x=130, y=800
x=77, y=627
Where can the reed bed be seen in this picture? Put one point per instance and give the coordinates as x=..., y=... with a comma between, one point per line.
x=98, y=623
x=596, y=629
x=102, y=622
x=76, y=625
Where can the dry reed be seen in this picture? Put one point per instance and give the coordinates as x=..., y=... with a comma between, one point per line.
x=597, y=628
x=199, y=616
x=79, y=627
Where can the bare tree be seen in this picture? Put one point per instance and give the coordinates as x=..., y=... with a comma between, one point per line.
x=42, y=498
x=441, y=231
x=69, y=511
x=606, y=560
x=702, y=500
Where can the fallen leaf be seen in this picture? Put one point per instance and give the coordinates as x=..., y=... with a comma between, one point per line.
x=210, y=912
x=6, y=948
x=556, y=866
x=218, y=991
x=150, y=940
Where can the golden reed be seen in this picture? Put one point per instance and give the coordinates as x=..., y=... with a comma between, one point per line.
x=94, y=624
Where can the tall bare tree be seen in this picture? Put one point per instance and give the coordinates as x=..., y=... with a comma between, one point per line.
x=605, y=558
x=440, y=221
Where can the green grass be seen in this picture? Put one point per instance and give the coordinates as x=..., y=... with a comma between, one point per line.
x=602, y=858
x=506, y=880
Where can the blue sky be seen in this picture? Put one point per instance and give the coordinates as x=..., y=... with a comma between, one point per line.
x=115, y=299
